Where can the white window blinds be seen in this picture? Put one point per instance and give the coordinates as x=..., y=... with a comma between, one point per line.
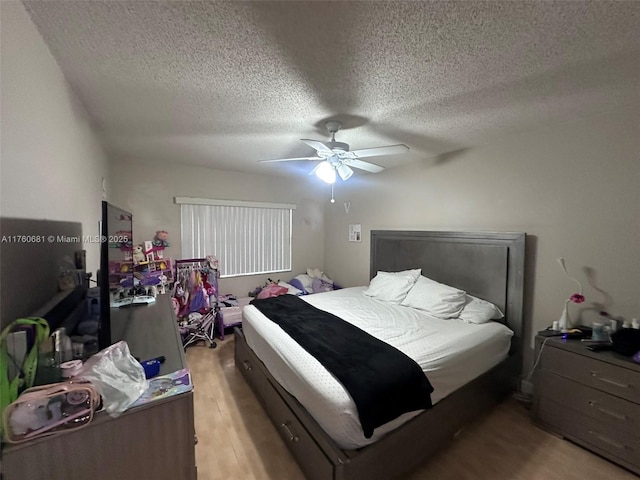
x=247, y=237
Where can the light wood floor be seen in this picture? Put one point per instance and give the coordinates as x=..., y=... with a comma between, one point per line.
x=236, y=439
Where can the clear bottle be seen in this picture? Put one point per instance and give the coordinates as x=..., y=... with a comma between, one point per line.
x=62, y=346
x=48, y=370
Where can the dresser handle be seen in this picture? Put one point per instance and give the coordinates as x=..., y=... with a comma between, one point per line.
x=247, y=366
x=607, y=440
x=610, y=382
x=292, y=437
x=608, y=412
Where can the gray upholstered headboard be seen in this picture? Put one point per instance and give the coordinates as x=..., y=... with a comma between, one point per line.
x=488, y=265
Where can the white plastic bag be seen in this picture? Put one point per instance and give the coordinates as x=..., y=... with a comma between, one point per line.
x=116, y=375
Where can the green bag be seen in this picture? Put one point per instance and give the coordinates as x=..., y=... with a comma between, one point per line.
x=10, y=389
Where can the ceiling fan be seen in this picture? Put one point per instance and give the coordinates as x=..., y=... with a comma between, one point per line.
x=336, y=156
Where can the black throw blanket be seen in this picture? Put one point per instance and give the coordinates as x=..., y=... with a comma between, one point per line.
x=383, y=382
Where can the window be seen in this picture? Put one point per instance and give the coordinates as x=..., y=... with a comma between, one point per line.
x=247, y=237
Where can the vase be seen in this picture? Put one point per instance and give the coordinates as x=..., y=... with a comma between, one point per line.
x=565, y=322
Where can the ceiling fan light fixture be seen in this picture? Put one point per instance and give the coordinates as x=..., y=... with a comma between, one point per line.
x=326, y=172
x=344, y=172
x=337, y=159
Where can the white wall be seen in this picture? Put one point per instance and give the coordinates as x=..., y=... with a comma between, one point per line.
x=51, y=163
x=147, y=190
x=573, y=188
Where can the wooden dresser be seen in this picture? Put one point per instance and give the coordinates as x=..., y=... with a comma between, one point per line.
x=590, y=398
x=152, y=441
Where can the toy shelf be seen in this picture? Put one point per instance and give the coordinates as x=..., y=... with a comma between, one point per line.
x=150, y=271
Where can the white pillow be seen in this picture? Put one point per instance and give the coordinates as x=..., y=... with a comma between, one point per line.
x=477, y=310
x=306, y=281
x=392, y=287
x=414, y=274
x=437, y=299
x=292, y=290
x=316, y=273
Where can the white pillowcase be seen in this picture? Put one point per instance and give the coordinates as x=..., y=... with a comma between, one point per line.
x=392, y=287
x=306, y=281
x=438, y=299
x=477, y=310
x=316, y=273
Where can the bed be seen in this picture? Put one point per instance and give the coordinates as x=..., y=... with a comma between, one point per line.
x=486, y=265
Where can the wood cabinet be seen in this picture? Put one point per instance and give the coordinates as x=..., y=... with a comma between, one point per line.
x=590, y=398
x=155, y=440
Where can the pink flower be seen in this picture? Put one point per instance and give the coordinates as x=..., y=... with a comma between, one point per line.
x=577, y=298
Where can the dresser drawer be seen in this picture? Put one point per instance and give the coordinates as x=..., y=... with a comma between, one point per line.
x=599, y=436
x=249, y=366
x=621, y=414
x=619, y=381
x=315, y=464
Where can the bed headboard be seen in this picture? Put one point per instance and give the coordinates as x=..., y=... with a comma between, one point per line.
x=487, y=265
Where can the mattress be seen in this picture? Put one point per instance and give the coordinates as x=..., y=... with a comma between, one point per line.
x=450, y=352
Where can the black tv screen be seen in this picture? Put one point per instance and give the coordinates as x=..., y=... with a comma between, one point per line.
x=116, y=270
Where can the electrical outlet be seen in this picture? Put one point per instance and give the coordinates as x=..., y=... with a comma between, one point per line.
x=526, y=387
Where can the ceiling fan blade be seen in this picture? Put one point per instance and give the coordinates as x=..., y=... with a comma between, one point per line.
x=366, y=166
x=290, y=159
x=379, y=151
x=318, y=146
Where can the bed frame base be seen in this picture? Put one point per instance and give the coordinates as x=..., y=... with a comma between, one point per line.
x=321, y=459
x=489, y=265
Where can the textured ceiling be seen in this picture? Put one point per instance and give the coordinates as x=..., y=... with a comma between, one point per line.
x=225, y=84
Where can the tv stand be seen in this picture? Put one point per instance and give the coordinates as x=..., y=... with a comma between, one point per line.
x=155, y=440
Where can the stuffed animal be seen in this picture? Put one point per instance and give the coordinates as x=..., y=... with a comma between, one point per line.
x=160, y=240
x=138, y=254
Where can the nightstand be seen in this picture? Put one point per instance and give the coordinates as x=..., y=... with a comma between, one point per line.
x=590, y=398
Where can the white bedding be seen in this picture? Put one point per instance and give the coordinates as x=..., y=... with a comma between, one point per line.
x=450, y=352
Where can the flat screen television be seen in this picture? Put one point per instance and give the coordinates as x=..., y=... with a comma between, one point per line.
x=116, y=265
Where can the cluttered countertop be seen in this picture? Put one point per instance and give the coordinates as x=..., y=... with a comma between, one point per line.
x=146, y=333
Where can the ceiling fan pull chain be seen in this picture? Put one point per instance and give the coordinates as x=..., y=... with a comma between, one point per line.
x=333, y=200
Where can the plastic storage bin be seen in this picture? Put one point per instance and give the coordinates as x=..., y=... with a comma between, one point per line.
x=231, y=316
